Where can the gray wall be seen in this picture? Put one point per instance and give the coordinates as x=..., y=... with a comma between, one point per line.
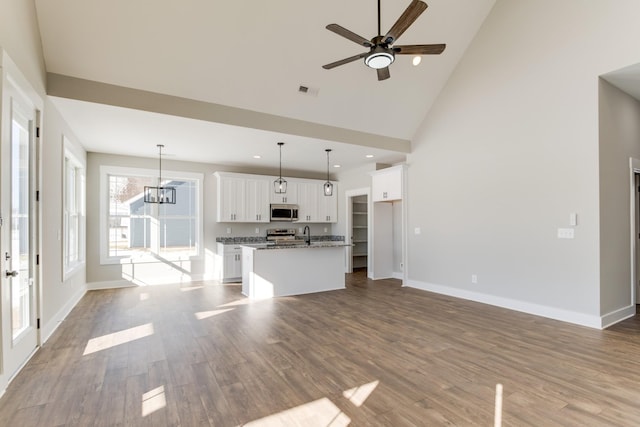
x=510, y=150
x=619, y=140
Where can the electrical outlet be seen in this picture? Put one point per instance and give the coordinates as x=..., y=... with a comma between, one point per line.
x=474, y=278
x=257, y=230
x=565, y=233
x=228, y=230
x=417, y=230
x=326, y=229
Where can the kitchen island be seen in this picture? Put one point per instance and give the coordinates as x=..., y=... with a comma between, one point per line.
x=280, y=270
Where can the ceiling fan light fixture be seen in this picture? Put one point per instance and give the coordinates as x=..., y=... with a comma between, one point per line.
x=379, y=58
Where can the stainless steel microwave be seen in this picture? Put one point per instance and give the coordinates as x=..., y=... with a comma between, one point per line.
x=284, y=212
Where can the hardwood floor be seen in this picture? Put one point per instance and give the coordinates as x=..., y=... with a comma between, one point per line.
x=373, y=354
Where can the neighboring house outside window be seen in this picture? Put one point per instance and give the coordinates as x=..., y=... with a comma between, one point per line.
x=138, y=231
x=73, y=213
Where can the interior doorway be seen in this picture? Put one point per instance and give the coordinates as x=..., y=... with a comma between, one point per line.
x=358, y=229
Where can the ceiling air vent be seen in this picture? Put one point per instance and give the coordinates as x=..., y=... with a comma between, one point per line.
x=307, y=90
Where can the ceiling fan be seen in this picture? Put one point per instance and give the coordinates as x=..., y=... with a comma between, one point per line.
x=381, y=50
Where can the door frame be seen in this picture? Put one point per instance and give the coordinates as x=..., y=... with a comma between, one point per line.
x=634, y=218
x=11, y=75
x=348, y=234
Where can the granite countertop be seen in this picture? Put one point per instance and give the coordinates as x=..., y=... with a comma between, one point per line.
x=316, y=244
x=251, y=240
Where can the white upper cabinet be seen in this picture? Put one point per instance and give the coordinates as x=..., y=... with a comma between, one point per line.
x=290, y=197
x=314, y=206
x=328, y=205
x=257, y=197
x=231, y=198
x=242, y=198
x=247, y=198
x=386, y=184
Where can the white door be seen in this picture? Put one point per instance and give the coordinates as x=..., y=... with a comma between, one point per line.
x=17, y=244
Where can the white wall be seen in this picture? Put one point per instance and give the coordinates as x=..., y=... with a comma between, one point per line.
x=509, y=150
x=619, y=140
x=20, y=38
x=59, y=295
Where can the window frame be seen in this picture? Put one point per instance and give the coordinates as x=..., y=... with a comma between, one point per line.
x=70, y=159
x=105, y=172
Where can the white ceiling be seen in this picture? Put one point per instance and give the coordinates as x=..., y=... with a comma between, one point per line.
x=250, y=55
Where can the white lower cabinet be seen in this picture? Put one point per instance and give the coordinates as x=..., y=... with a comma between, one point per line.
x=231, y=262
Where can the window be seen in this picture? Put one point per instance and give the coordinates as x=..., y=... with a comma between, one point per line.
x=137, y=231
x=73, y=213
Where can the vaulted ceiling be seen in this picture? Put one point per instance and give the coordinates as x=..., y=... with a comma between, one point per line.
x=244, y=61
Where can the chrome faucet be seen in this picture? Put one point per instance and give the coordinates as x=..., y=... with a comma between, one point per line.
x=307, y=232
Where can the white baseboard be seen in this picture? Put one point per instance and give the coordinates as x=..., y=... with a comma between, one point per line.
x=109, y=284
x=617, y=316
x=512, y=304
x=47, y=329
x=397, y=275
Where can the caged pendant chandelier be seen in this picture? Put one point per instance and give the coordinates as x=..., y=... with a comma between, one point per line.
x=328, y=186
x=160, y=194
x=280, y=185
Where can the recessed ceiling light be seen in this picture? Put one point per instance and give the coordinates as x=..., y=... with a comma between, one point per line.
x=416, y=60
x=336, y=166
x=369, y=156
x=257, y=157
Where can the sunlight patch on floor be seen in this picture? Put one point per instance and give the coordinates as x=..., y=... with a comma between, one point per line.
x=206, y=314
x=144, y=296
x=190, y=288
x=117, y=338
x=497, y=421
x=153, y=400
x=321, y=413
x=358, y=395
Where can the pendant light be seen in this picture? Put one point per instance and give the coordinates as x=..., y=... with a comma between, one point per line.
x=160, y=194
x=280, y=185
x=328, y=186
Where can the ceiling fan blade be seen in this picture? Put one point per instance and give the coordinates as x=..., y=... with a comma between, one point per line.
x=419, y=49
x=407, y=18
x=345, y=61
x=383, y=73
x=341, y=31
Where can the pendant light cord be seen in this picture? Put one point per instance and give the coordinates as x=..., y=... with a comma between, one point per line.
x=160, y=165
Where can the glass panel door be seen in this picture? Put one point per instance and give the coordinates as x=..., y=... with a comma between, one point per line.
x=20, y=260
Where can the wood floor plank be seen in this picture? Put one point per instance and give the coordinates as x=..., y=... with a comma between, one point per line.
x=372, y=354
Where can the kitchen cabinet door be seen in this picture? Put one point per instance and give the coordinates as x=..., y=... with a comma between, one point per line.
x=290, y=197
x=308, y=193
x=231, y=263
x=257, y=200
x=231, y=199
x=328, y=205
x=386, y=184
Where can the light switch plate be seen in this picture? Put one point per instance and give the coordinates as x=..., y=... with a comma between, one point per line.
x=573, y=219
x=417, y=230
